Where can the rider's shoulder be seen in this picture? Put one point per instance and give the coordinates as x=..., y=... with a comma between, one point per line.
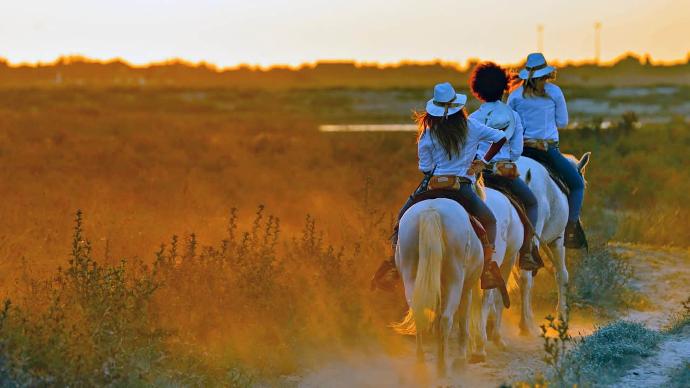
x=425, y=137
x=552, y=89
x=516, y=93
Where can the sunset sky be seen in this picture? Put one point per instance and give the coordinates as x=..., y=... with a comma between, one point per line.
x=269, y=32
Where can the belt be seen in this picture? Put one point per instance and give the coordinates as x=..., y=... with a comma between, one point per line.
x=447, y=182
x=540, y=144
x=504, y=168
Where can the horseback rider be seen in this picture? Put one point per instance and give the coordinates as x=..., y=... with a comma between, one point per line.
x=488, y=83
x=446, y=144
x=541, y=105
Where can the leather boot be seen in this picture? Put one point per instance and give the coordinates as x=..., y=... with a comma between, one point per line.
x=386, y=276
x=491, y=276
x=574, y=237
x=530, y=260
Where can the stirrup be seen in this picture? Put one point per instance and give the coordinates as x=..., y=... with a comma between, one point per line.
x=491, y=278
x=574, y=236
x=528, y=262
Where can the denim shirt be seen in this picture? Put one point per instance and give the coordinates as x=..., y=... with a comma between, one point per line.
x=541, y=116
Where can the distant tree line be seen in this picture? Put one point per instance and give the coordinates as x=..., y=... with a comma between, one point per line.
x=629, y=70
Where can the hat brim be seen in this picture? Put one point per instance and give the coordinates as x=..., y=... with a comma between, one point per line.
x=440, y=111
x=524, y=73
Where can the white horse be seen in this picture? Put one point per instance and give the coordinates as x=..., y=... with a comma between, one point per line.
x=440, y=259
x=550, y=227
x=509, y=238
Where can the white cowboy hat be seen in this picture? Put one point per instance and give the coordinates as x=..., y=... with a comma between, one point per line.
x=501, y=117
x=536, y=64
x=445, y=101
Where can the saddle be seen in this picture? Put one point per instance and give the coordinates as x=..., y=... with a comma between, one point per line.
x=436, y=190
x=540, y=156
x=500, y=184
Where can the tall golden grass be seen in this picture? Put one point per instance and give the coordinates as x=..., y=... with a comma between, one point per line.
x=267, y=289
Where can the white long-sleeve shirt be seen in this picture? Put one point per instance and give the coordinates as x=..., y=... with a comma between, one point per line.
x=512, y=149
x=431, y=152
x=541, y=116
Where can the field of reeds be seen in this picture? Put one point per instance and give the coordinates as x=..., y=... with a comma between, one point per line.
x=214, y=237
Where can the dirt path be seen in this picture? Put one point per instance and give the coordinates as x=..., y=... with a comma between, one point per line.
x=662, y=275
x=654, y=371
x=666, y=287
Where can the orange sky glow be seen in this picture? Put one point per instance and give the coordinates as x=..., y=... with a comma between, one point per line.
x=270, y=32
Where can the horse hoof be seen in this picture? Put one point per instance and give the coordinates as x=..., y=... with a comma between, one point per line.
x=500, y=343
x=477, y=358
x=459, y=363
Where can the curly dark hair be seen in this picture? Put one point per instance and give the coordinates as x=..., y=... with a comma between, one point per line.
x=489, y=81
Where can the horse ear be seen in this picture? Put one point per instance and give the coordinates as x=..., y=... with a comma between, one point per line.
x=528, y=176
x=582, y=163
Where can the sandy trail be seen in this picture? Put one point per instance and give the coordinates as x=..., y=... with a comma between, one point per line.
x=666, y=287
x=661, y=274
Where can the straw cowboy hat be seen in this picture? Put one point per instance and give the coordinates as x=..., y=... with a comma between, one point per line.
x=446, y=101
x=535, y=67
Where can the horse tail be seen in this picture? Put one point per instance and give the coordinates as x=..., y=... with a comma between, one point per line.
x=512, y=281
x=427, y=286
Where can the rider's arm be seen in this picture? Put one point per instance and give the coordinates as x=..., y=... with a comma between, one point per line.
x=493, y=150
x=516, y=140
x=424, y=148
x=489, y=134
x=561, y=109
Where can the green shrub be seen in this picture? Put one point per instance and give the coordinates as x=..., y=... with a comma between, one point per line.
x=610, y=351
x=600, y=279
x=88, y=325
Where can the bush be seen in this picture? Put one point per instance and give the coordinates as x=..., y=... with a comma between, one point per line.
x=610, y=351
x=600, y=279
x=87, y=325
x=680, y=319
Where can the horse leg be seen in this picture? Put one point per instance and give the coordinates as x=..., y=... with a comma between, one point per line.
x=449, y=308
x=527, y=325
x=487, y=304
x=496, y=336
x=492, y=299
x=463, y=317
x=561, y=273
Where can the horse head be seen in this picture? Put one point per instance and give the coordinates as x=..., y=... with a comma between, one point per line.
x=583, y=162
x=580, y=164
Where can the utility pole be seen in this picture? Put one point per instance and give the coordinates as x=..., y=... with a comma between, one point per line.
x=597, y=42
x=540, y=38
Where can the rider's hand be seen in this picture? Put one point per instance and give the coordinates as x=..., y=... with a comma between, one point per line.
x=477, y=166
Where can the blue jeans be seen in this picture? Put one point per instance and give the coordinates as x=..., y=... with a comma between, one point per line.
x=520, y=189
x=572, y=178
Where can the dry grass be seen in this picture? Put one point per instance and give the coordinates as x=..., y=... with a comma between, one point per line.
x=267, y=292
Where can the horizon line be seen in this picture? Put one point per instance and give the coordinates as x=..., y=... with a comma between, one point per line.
x=79, y=58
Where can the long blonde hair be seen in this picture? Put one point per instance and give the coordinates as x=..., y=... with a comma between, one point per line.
x=534, y=87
